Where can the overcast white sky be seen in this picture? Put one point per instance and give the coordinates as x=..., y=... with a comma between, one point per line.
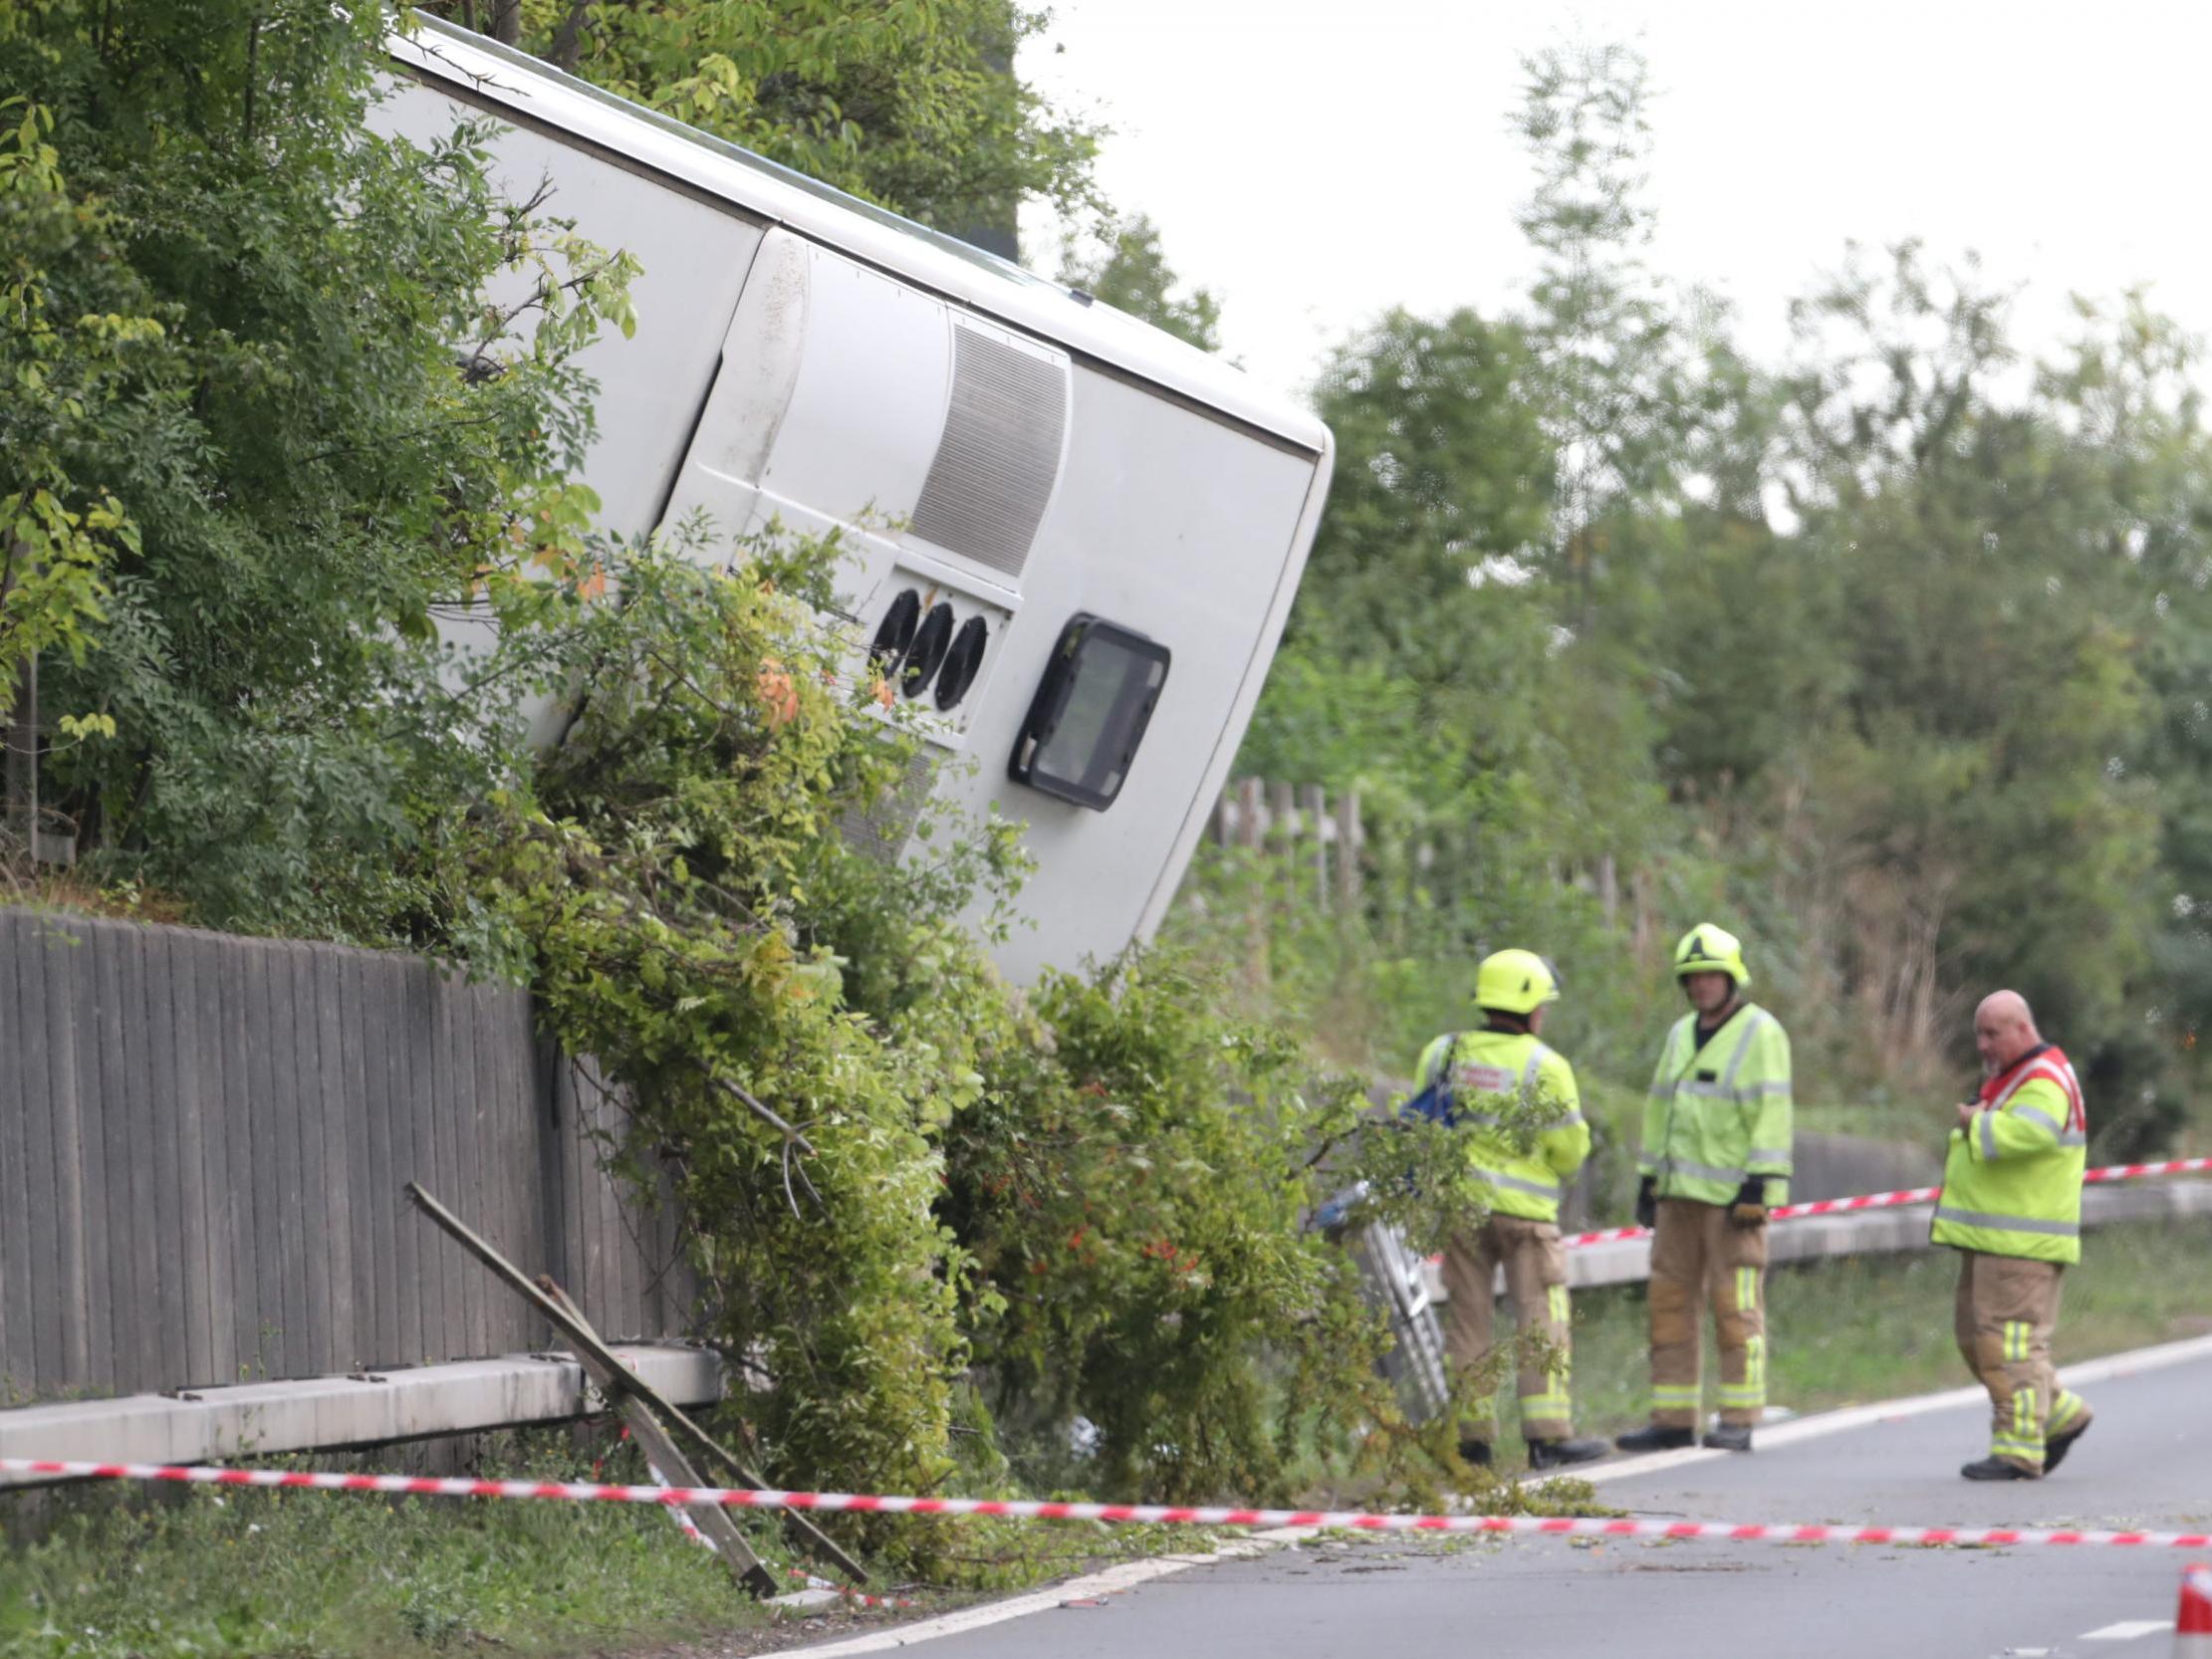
x=1315, y=163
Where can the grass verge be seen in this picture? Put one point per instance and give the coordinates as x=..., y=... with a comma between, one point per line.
x=1855, y=1329
x=199, y=1572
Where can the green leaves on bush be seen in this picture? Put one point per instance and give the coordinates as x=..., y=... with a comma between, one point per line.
x=899, y=1171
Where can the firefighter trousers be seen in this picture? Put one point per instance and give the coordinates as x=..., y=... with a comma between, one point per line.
x=2004, y=1318
x=1534, y=1263
x=1698, y=1254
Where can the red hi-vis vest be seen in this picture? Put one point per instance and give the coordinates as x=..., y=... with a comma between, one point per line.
x=2048, y=1061
x=2012, y=1182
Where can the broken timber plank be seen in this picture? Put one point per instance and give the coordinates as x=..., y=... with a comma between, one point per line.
x=668, y=1462
x=586, y=1343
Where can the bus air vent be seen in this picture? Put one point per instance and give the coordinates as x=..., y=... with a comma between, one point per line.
x=996, y=460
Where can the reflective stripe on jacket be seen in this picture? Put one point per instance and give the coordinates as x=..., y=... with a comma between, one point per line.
x=1719, y=1114
x=2012, y=1184
x=1493, y=1071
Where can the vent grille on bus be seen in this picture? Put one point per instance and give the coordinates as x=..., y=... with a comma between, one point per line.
x=995, y=463
x=882, y=832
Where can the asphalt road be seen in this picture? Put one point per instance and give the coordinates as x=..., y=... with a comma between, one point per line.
x=2147, y=1462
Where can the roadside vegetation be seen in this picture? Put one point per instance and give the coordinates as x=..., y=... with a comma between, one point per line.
x=279, y=1573
x=1850, y=652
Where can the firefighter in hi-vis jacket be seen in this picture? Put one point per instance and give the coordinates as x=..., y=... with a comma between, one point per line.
x=1715, y=1160
x=1483, y=1073
x=2012, y=1207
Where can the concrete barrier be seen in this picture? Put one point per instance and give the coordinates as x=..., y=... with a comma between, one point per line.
x=301, y=1414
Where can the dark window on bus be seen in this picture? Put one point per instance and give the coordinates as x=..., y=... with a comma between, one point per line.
x=1090, y=712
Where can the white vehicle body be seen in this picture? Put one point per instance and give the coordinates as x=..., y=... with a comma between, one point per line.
x=987, y=439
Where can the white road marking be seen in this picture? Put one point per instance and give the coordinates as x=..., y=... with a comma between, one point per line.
x=1128, y=1574
x=2127, y=1631
x=2085, y=1374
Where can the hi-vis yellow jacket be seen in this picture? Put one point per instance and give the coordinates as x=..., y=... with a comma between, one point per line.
x=1490, y=1070
x=1719, y=1114
x=2012, y=1184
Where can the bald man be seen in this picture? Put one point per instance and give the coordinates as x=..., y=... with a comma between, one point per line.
x=2012, y=1207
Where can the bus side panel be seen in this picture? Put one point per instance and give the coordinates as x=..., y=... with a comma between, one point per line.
x=1185, y=530
x=1231, y=737
x=693, y=257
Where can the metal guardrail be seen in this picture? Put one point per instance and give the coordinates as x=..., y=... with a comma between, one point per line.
x=1875, y=1233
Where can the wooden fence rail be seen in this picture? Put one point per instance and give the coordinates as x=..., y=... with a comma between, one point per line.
x=1305, y=824
x=1301, y=822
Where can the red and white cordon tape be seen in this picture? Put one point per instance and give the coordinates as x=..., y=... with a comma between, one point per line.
x=846, y=1593
x=2192, y=1621
x=1907, y=1195
x=1151, y=1515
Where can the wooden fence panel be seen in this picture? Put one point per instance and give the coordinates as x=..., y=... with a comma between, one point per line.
x=208, y=1222
x=18, y=1195
x=70, y=956
x=204, y=1146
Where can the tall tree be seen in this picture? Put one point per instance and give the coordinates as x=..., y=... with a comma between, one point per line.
x=1603, y=342
x=259, y=320
x=1131, y=273
x=913, y=104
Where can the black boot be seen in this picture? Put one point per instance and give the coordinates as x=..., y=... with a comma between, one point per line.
x=1474, y=1452
x=1996, y=1469
x=1730, y=1437
x=1655, y=1439
x=2055, y=1449
x=1557, y=1454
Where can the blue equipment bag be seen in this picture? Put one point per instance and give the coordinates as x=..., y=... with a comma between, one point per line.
x=1434, y=1101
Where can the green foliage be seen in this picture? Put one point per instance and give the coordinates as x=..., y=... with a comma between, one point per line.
x=249, y=1572
x=914, y=104
x=899, y=1170
x=271, y=429
x=1131, y=273
x=1134, y=1183
x=1891, y=657
x=657, y=879
x=64, y=377
x=1605, y=357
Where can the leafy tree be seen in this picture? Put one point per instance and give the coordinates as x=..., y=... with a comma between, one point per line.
x=1131, y=273
x=1441, y=498
x=1423, y=666
x=65, y=375
x=270, y=429
x=914, y=104
x=1604, y=345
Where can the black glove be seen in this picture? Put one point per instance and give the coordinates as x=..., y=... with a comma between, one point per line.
x=1750, y=1208
x=1647, y=1201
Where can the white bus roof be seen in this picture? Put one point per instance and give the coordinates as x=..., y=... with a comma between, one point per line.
x=487, y=73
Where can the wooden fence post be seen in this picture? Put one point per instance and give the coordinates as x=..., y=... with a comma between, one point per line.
x=1313, y=820
x=1282, y=813
x=1351, y=838
x=1248, y=811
